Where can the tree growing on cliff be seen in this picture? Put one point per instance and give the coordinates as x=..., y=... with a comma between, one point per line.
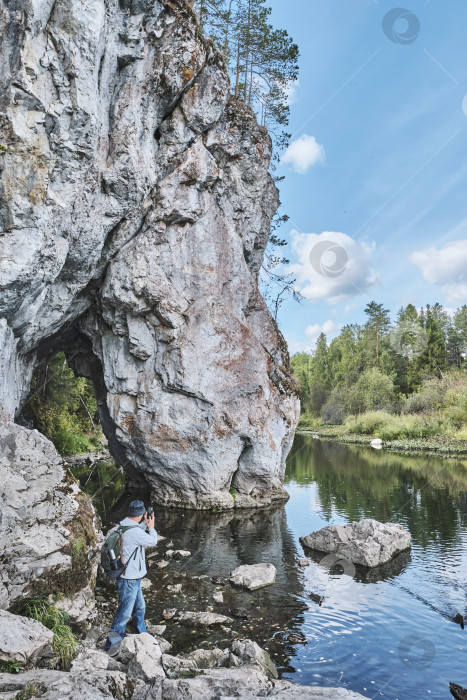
x=262, y=60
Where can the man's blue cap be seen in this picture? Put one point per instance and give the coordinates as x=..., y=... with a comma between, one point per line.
x=136, y=508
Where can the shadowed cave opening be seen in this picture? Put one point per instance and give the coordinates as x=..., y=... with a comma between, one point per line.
x=67, y=401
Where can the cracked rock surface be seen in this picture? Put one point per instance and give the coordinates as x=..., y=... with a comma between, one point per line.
x=39, y=514
x=135, y=206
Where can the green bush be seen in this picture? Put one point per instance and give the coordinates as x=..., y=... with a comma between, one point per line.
x=65, y=644
x=10, y=666
x=333, y=412
x=68, y=443
x=31, y=690
x=63, y=407
x=389, y=427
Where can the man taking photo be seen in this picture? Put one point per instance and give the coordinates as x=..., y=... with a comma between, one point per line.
x=130, y=596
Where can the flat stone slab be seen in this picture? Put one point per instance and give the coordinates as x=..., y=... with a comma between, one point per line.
x=203, y=619
x=253, y=576
x=366, y=543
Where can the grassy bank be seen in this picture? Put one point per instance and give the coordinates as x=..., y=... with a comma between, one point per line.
x=65, y=644
x=413, y=433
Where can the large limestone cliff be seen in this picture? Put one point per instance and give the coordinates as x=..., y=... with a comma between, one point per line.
x=135, y=204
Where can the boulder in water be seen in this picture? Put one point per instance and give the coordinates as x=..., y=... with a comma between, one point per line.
x=366, y=543
x=254, y=576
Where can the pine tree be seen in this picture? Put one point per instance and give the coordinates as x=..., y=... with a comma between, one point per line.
x=377, y=325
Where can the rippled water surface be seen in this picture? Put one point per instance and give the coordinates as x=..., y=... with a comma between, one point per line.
x=384, y=633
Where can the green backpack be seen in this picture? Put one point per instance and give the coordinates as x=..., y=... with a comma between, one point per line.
x=112, y=542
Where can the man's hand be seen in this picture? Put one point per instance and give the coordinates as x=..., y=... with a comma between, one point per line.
x=149, y=521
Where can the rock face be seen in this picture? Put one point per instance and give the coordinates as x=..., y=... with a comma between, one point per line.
x=23, y=640
x=368, y=542
x=135, y=203
x=41, y=514
x=253, y=576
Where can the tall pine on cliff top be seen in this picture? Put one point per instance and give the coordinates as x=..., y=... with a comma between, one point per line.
x=262, y=61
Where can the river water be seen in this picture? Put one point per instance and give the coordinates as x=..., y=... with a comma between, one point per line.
x=384, y=633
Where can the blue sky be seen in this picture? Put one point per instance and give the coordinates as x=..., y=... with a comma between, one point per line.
x=378, y=160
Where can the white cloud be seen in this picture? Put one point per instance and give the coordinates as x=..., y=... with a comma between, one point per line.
x=303, y=153
x=291, y=91
x=295, y=345
x=446, y=266
x=331, y=266
x=329, y=328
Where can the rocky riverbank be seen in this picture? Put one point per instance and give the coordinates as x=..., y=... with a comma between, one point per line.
x=50, y=538
x=145, y=670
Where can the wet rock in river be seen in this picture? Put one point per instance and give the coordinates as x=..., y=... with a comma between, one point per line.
x=458, y=691
x=23, y=640
x=145, y=584
x=251, y=653
x=303, y=562
x=460, y=619
x=218, y=597
x=367, y=543
x=156, y=629
x=175, y=588
x=316, y=598
x=162, y=564
x=169, y=613
x=240, y=614
x=177, y=554
x=203, y=619
x=253, y=576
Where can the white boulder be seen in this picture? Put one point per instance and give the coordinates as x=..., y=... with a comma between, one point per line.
x=367, y=543
x=253, y=576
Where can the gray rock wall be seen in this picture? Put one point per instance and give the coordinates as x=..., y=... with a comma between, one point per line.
x=42, y=513
x=135, y=203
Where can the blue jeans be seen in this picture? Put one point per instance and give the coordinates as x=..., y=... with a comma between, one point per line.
x=130, y=605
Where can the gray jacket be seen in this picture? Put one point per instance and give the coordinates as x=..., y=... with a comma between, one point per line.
x=136, y=538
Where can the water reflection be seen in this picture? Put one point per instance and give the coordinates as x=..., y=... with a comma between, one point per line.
x=371, y=632
x=427, y=494
x=361, y=633
x=219, y=542
x=389, y=571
